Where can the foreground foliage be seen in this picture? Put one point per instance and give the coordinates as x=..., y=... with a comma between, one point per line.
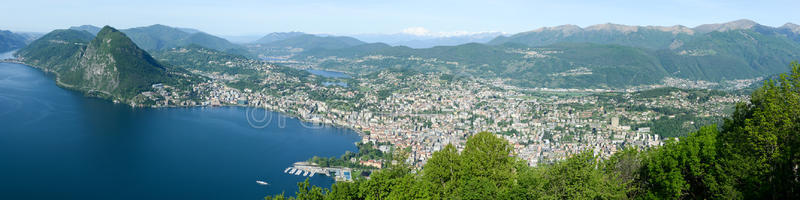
x=754, y=155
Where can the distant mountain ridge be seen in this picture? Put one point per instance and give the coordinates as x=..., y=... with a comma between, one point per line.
x=306, y=41
x=272, y=37
x=108, y=65
x=88, y=28
x=599, y=56
x=721, y=27
x=10, y=41
x=653, y=37
x=639, y=36
x=426, y=41
x=158, y=37
x=610, y=56
x=791, y=27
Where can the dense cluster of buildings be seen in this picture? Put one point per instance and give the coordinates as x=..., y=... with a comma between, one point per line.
x=423, y=113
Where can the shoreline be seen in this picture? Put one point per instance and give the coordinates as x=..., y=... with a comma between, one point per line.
x=360, y=134
x=58, y=80
x=73, y=88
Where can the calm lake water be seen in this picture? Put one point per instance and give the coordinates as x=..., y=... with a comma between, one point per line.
x=57, y=144
x=329, y=74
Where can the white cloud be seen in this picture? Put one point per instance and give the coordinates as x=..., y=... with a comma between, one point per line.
x=418, y=31
x=421, y=31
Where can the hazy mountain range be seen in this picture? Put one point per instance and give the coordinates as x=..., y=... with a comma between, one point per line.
x=307, y=41
x=157, y=37
x=428, y=40
x=15, y=40
x=599, y=56
x=639, y=36
x=568, y=56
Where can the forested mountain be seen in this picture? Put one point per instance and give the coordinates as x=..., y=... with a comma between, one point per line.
x=600, y=56
x=729, y=55
x=428, y=40
x=88, y=28
x=108, y=65
x=10, y=41
x=57, y=50
x=272, y=37
x=753, y=155
x=637, y=36
x=157, y=37
x=197, y=58
x=790, y=30
x=652, y=37
x=307, y=41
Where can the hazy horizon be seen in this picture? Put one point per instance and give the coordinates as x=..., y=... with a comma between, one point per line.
x=247, y=18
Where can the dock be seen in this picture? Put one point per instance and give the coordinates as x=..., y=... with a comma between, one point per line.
x=311, y=169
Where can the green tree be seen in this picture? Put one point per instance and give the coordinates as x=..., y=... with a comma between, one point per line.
x=343, y=191
x=382, y=183
x=578, y=177
x=441, y=172
x=687, y=168
x=305, y=191
x=760, y=143
x=625, y=168
x=309, y=192
x=487, y=168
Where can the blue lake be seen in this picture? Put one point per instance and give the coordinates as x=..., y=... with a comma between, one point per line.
x=329, y=74
x=57, y=144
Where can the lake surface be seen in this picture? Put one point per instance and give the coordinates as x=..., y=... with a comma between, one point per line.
x=57, y=144
x=329, y=74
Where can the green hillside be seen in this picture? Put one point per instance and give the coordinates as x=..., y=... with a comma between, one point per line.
x=569, y=65
x=272, y=37
x=157, y=37
x=10, y=41
x=601, y=56
x=109, y=65
x=734, y=54
x=645, y=37
x=308, y=41
x=88, y=28
x=113, y=52
x=56, y=51
x=194, y=57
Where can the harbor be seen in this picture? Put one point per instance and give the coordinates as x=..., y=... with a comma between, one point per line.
x=311, y=169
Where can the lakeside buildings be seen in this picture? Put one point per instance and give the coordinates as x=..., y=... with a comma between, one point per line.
x=423, y=113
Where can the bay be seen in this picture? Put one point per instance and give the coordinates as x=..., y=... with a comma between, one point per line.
x=57, y=144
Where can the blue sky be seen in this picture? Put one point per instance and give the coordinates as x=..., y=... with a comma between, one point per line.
x=250, y=17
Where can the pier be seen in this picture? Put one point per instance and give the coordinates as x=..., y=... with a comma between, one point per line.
x=311, y=169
